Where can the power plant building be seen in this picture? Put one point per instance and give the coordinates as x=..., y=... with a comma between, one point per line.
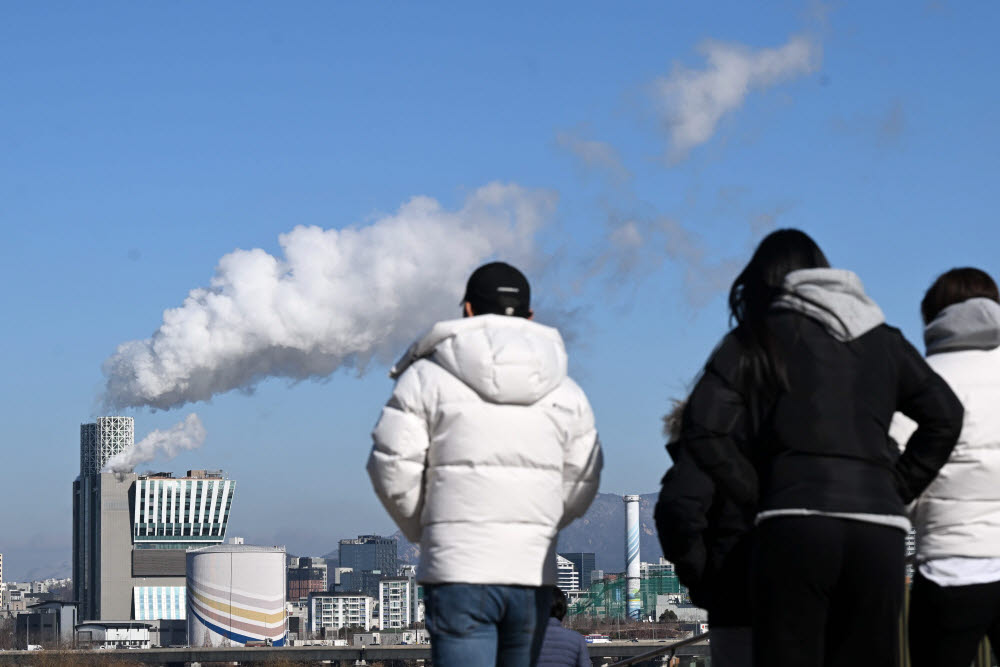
x=236, y=595
x=131, y=532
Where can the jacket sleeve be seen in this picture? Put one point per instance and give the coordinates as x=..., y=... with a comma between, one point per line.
x=926, y=398
x=582, y=462
x=715, y=421
x=681, y=517
x=583, y=654
x=397, y=461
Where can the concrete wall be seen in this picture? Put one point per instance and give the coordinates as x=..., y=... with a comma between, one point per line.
x=114, y=555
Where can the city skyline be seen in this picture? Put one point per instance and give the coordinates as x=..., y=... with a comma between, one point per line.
x=324, y=177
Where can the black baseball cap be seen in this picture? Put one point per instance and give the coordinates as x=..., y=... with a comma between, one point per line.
x=498, y=288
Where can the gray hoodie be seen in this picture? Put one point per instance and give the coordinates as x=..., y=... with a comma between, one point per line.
x=970, y=325
x=833, y=297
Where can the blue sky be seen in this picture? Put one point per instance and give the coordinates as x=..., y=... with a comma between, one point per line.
x=636, y=155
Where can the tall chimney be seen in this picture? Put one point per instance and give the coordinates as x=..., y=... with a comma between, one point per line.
x=632, y=581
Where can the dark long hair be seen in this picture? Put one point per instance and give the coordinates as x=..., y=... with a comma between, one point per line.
x=750, y=299
x=956, y=286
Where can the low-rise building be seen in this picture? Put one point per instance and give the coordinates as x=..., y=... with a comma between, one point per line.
x=47, y=624
x=113, y=634
x=391, y=638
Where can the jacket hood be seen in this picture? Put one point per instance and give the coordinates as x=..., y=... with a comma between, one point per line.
x=970, y=325
x=833, y=297
x=503, y=359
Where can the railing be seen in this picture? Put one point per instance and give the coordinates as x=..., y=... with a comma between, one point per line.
x=669, y=652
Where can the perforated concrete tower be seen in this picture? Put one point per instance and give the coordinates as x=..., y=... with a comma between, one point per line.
x=102, y=440
x=99, y=441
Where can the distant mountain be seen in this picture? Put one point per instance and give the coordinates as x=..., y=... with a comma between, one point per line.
x=50, y=570
x=601, y=530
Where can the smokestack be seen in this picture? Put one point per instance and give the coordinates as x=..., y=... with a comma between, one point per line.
x=632, y=580
x=185, y=435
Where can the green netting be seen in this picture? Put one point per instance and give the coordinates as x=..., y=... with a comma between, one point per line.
x=608, y=598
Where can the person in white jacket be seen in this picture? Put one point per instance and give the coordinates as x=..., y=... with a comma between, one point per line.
x=485, y=450
x=955, y=600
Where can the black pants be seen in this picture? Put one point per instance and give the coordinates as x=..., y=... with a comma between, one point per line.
x=948, y=622
x=827, y=593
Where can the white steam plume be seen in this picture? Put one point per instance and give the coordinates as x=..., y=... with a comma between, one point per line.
x=337, y=297
x=185, y=435
x=693, y=102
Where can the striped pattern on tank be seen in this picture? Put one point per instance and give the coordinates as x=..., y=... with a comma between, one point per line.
x=237, y=615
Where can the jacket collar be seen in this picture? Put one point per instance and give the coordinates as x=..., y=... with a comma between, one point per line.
x=970, y=325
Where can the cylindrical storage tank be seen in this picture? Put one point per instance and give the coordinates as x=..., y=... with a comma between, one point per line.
x=236, y=595
x=632, y=580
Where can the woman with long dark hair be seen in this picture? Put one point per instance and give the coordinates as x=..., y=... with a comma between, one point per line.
x=790, y=420
x=955, y=600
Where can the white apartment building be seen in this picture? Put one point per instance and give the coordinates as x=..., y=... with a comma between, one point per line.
x=397, y=602
x=664, y=567
x=333, y=611
x=567, y=578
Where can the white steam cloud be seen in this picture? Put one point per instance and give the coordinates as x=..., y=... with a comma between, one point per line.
x=186, y=435
x=337, y=297
x=694, y=101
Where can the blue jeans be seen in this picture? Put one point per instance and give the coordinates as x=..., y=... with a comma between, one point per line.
x=479, y=625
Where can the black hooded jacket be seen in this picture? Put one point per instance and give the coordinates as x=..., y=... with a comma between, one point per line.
x=823, y=444
x=707, y=537
x=819, y=444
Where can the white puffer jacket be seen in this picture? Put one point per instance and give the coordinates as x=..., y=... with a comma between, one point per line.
x=959, y=513
x=485, y=450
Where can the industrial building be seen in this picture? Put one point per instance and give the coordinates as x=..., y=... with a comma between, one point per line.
x=236, y=595
x=50, y=623
x=131, y=532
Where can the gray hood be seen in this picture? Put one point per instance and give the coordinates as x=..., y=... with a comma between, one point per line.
x=504, y=359
x=833, y=297
x=970, y=325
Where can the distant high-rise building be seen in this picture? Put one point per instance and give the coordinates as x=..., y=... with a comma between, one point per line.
x=584, y=562
x=567, y=577
x=371, y=557
x=369, y=552
x=305, y=576
x=1, y=569
x=397, y=602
